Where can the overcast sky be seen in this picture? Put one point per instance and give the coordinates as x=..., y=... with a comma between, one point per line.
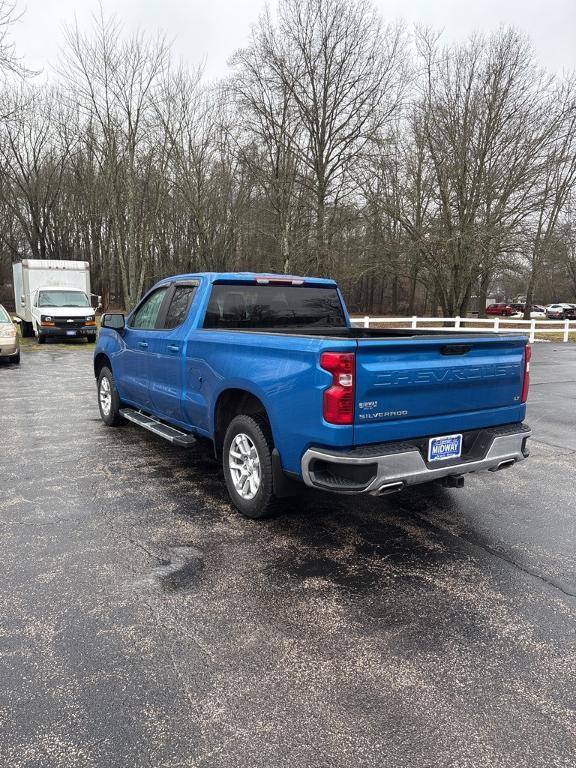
x=210, y=30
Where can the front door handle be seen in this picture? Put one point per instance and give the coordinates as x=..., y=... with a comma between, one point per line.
x=173, y=347
x=143, y=344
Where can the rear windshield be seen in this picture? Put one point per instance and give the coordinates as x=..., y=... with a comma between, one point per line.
x=274, y=306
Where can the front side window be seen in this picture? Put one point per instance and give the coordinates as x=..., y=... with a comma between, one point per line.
x=4, y=316
x=179, y=305
x=146, y=315
x=63, y=299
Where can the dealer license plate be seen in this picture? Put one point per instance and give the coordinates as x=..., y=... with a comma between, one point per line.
x=447, y=447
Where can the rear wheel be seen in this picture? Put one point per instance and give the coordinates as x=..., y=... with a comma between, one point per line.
x=108, y=400
x=247, y=463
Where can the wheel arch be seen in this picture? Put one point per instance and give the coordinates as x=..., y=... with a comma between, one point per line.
x=232, y=402
x=101, y=360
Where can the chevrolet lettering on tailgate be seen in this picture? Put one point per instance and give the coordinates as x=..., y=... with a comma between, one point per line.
x=446, y=375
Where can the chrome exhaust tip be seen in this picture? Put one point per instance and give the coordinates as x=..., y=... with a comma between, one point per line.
x=504, y=465
x=387, y=488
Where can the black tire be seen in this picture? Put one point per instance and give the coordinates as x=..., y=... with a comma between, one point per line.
x=113, y=417
x=41, y=339
x=26, y=329
x=16, y=359
x=264, y=503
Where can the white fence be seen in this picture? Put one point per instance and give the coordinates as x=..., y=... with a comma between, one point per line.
x=532, y=327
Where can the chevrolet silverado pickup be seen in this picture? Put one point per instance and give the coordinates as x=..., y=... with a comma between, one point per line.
x=270, y=369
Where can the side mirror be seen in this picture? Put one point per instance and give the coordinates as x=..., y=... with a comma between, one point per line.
x=16, y=320
x=98, y=302
x=23, y=301
x=114, y=320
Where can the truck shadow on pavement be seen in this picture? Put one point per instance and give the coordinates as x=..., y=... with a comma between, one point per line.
x=365, y=547
x=349, y=542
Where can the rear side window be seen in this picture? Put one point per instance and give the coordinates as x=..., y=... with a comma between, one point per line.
x=147, y=313
x=179, y=305
x=274, y=306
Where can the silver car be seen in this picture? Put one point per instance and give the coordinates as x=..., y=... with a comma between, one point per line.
x=9, y=341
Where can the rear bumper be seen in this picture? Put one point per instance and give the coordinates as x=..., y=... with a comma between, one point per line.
x=389, y=467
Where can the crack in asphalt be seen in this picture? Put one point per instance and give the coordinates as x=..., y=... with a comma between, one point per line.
x=570, y=451
x=550, y=383
x=567, y=589
x=10, y=523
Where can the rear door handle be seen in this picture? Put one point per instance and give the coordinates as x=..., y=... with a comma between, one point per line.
x=143, y=344
x=173, y=347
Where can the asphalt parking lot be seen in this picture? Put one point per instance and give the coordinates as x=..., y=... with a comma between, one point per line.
x=143, y=622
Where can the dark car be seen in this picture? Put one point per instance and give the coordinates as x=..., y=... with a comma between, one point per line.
x=537, y=312
x=500, y=310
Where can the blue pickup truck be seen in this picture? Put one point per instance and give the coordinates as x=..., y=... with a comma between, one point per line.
x=270, y=369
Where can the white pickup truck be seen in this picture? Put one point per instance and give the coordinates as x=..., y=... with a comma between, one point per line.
x=52, y=298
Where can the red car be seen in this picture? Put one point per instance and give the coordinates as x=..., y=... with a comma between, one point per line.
x=501, y=310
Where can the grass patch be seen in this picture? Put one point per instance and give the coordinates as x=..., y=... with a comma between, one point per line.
x=31, y=345
x=557, y=337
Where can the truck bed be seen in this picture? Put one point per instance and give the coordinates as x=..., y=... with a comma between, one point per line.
x=371, y=333
x=408, y=382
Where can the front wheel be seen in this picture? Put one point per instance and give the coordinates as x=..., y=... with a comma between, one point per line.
x=26, y=330
x=108, y=400
x=247, y=463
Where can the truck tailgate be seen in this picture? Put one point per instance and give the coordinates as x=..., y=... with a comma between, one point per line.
x=425, y=386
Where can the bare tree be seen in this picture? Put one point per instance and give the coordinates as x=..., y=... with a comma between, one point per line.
x=269, y=137
x=479, y=123
x=116, y=84
x=10, y=62
x=558, y=180
x=344, y=73
x=34, y=149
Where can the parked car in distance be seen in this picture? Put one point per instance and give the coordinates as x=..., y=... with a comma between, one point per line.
x=500, y=310
x=561, y=311
x=536, y=313
x=269, y=368
x=9, y=341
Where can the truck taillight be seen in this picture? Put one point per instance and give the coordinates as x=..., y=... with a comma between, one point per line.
x=526, y=385
x=339, y=397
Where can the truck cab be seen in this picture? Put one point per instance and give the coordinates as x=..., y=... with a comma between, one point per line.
x=61, y=311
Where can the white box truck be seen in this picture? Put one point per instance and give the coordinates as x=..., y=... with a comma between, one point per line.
x=52, y=298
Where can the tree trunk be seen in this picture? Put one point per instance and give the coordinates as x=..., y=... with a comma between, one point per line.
x=483, y=293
